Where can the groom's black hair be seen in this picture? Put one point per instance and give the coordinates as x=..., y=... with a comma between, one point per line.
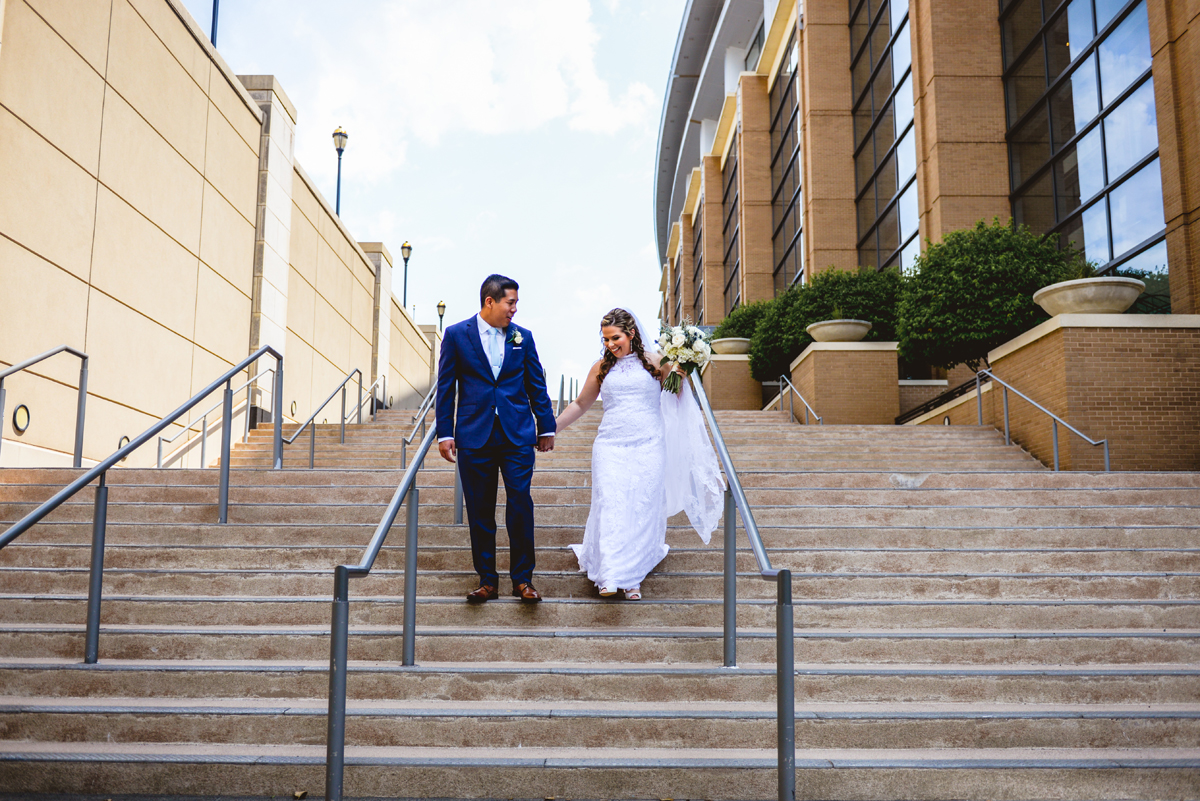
x=494, y=287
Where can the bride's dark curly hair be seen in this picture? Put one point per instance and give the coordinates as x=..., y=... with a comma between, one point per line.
x=619, y=318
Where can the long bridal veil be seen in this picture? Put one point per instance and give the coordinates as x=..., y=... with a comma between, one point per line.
x=693, y=477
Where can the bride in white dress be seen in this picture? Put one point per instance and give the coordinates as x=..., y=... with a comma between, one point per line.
x=651, y=458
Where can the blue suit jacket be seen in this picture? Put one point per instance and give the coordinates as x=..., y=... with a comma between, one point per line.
x=518, y=395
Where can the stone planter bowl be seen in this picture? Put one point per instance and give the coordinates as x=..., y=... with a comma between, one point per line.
x=839, y=330
x=731, y=345
x=1103, y=295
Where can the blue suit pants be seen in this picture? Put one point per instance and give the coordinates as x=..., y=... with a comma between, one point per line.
x=481, y=469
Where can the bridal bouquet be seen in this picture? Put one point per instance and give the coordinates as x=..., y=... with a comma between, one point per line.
x=686, y=346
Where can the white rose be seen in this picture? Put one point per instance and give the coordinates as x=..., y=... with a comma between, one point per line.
x=702, y=347
x=694, y=331
x=678, y=339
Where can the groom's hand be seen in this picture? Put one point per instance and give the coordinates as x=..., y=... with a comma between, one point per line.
x=545, y=444
x=447, y=449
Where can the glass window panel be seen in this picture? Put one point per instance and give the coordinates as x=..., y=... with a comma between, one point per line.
x=1050, y=6
x=902, y=52
x=1029, y=147
x=1091, y=161
x=906, y=156
x=1058, y=45
x=866, y=210
x=1025, y=85
x=1075, y=103
x=908, y=258
x=909, y=211
x=885, y=182
x=864, y=166
x=1019, y=28
x=889, y=233
x=1066, y=178
x=858, y=29
x=903, y=104
x=1125, y=54
x=1035, y=206
x=1131, y=130
x=868, y=252
x=1150, y=266
x=1106, y=10
x=885, y=133
x=883, y=83
x=879, y=39
x=1079, y=26
x=860, y=74
x=863, y=117
x=898, y=9
x=1137, y=209
x=1095, y=233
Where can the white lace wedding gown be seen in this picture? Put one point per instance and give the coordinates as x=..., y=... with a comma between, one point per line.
x=645, y=432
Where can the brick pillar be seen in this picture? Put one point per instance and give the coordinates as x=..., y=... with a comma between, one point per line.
x=272, y=232
x=381, y=315
x=1176, y=66
x=714, y=243
x=754, y=189
x=827, y=137
x=683, y=266
x=962, y=158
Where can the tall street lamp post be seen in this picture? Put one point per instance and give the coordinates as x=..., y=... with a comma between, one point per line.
x=441, y=307
x=405, y=251
x=216, y=7
x=339, y=142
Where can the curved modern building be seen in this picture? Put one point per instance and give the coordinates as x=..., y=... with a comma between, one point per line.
x=796, y=137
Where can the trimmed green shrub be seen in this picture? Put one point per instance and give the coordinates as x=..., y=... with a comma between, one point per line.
x=974, y=291
x=863, y=294
x=742, y=321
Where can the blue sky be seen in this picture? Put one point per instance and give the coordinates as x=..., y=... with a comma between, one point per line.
x=515, y=137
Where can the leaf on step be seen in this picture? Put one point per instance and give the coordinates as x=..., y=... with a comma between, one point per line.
x=300, y=794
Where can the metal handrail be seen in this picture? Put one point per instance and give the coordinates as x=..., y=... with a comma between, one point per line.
x=203, y=418
x=312, y=428
x=100, y=513
x=1054, y=419
x=419, y=419
x=380, y=383
x=785, y=632
x=335, y=744
x=795, y=393
x=80, y=404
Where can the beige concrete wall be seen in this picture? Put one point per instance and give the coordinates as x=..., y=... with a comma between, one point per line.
x=412, y=360
x=128, y=178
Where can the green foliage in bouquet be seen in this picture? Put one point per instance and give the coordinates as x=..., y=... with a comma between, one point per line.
x=833, y=294
x=742, y=321
x=974, y=291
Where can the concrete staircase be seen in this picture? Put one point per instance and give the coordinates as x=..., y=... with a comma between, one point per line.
x=969, y=625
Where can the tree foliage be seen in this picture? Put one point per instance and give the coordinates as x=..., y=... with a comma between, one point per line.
x=742, y=321
x=974, y=291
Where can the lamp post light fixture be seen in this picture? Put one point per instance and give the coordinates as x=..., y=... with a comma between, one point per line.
x=339, y=142
x=441, y=307
x=405, y=251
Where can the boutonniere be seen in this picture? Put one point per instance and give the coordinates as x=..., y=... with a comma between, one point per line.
x=515, y=337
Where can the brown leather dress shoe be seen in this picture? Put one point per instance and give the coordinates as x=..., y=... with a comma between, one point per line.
x=526, y=593
x=485, y=592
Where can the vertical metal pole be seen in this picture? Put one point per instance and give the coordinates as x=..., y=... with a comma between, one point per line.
x=277, y=403
x=410, y=578
x=1107, y=468
x=226, y=436
x=458, y=496
x=342, y=435
x=730, y=634
x=403, y=453
x=358, y=416
x=312, y=443
x=1007, y=436
x=159, y=460
x=91, y=645
x=337, y=203
x=1054, y=432
x=335, y=740
x=2, y=391
x=212, y=37
x=562, y=383
x=979, y=397
x=422, y=465
x=204, y=443
x=785, y=677
x=80, y=408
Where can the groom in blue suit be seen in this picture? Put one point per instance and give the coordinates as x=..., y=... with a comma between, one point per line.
x=503, y=413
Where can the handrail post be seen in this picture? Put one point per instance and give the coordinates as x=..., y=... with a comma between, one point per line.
x=1107, y=468
x=562, y=384
x=410, y=577
x=204, y=443
x=358, y=415
x=226, y=436
x=80, y=408
x=91, y=644
x=2, y=392
x=403, y=453
x=159, y=460
x=342, y=435
x=312, y=444
x=1054, y=433
x=277, y=403
x=785, y=679
x=458, y=496
x=979, y=397
x=335, y=741
x=1007, y=435
x=730, y=629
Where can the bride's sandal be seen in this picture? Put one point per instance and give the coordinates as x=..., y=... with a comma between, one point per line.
x=633, y=594
x=607, y=592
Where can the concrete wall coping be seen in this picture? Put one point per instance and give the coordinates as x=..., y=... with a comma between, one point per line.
x=948, y=405
x=924, y=382
x=377, y=247
x=724, y=357
x=202, y=39
x=268, y=83
x=1093, y=321
x=817, y=347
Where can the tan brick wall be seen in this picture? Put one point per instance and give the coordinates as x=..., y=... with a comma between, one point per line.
x=827, y=137
x=684, y=265
x=912, y=396
x=754, y=189
x=728, y=383
x=714, y=243
x=1175, y=42
x=848, y=386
